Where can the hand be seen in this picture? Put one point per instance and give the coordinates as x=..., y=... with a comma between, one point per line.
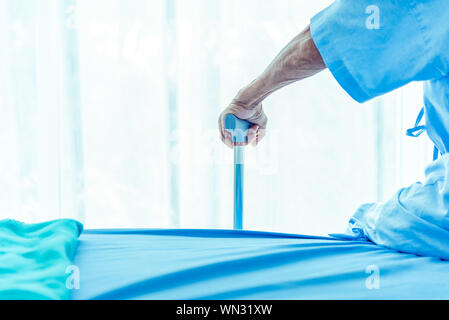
x=298, y=60
x=253, y=114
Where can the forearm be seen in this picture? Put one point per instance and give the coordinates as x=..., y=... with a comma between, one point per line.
x=300, y=59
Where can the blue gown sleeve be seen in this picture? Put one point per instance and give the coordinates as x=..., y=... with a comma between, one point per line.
x=409, y=43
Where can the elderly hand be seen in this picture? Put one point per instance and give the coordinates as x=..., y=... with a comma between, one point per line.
x=300, y=59
x=251, y=113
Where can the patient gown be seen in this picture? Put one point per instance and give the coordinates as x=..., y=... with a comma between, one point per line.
x=375, y=46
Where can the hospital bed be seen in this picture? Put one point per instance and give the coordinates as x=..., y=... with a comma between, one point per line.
x=58, y=260
x=229, y=264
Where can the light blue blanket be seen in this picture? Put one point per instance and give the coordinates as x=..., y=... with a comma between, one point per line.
x=34, y=259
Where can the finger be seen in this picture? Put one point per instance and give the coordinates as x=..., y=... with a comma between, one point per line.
x=228, y=139
x=252, y=133
x=259, y=117
x=225, y=136
x=222, y=138
x=240, y=111
x=259, y=136
x=221, y=128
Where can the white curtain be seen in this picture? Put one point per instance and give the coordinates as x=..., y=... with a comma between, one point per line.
x=41, y=166
x=109, y=112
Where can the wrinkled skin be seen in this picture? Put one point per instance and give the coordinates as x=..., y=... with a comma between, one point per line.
x=300, y=59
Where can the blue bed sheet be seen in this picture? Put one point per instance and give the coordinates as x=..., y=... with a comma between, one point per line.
x=225, y=264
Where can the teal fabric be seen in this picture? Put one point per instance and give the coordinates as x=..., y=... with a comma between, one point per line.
x=34, y=259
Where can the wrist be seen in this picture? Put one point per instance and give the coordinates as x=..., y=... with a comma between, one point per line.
x=251, y=95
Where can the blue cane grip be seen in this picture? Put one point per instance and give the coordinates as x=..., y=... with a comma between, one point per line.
x=237, y=127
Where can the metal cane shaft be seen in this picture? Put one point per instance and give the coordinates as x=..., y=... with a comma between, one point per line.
x=239, y=156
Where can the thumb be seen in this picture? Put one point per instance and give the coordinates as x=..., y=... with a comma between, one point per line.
x=241, y=111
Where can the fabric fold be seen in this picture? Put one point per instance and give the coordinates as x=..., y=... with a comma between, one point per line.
x=35, y=259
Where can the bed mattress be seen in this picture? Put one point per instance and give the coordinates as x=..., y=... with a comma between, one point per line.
x=228, y=264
